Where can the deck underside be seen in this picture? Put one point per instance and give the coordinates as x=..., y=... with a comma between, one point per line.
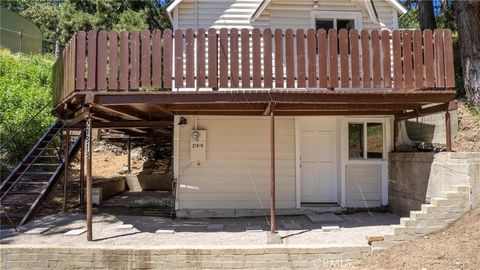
x=142, y=112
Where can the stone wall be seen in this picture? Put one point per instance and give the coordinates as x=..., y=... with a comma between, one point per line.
x=308, y=257
x=415, y=178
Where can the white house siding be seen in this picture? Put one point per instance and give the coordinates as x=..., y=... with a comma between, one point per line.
x=278, y=14
x=296, y=14
x=217, y=14
x=363, y=185
x=236, y=173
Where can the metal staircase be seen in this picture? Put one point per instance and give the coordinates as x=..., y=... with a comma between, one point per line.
x=28, y=184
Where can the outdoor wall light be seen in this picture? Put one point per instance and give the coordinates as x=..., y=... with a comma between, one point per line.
x=182, y=122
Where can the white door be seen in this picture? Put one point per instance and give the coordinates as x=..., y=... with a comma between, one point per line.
x=318, y=159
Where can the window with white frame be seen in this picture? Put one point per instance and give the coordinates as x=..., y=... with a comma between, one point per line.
x=337, y=20
x=365, y=140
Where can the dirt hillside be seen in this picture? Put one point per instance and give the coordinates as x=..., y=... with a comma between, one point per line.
x=457, y=247
x=468, y=137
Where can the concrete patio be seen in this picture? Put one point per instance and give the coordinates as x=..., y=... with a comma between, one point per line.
x=115, y=229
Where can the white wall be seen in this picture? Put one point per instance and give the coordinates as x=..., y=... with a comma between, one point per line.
x=238, y=164
x=214, y=13
x=278, y=14
x=363, y=185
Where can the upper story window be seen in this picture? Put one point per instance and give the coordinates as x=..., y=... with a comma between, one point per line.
x=334, y=23
x=336, y=19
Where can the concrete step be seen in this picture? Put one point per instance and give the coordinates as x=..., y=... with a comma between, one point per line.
x=457, y=195
x=449, y=202
x=461, y=189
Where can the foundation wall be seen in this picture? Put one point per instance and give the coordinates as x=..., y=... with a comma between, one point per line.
x=41, y=257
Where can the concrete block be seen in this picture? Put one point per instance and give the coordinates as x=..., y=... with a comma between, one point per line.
x=398, y=229
x=75, y=232
x=406, y=221
x=38, y=230
x=457, y=195
x=273, y=238
x=427, y=229
x=465, y=189
x=330, y=228
x=253, y=229
x=165, y=231
x=125, y=227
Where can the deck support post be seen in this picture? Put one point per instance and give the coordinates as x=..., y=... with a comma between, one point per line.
x=272, y=173
x=129, y=155
x=448, y=131
x=88, y=158
x=66, y=147
x=82, y=168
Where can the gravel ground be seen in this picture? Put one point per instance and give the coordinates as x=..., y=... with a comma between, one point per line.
x=193, y=232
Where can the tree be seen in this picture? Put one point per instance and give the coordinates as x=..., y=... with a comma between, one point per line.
x=84, y=15
x=468, y=26
x=426, y=15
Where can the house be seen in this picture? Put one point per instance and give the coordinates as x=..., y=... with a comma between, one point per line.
x=275, y=105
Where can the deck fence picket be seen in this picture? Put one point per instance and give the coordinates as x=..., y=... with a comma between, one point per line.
x=405, y=60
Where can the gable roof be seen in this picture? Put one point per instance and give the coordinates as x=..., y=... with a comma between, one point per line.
x=172, y=5
x=370, y=7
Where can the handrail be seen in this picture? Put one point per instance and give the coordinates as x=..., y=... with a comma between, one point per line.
x=21, y=128
x=33, y=161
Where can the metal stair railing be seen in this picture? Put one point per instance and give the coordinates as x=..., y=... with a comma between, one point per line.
x=28, y=156
x=13, y=140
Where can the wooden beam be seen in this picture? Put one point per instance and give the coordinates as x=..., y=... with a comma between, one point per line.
x=129, y=124
x=129, y=144
x=298, y=96
x=448, y=131
x=162, y=109
x=447, y=106
x=128, y=114
x=82, y=168
x=273, y=227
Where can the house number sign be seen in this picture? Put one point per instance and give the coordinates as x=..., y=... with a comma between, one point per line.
x=88, y=131
x=198, y=145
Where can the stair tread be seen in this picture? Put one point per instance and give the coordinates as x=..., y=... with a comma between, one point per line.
x=38, y=173
x=12, y=215
x=17, y=203
x=44, y=164
x=22, y=192
x=33, y=183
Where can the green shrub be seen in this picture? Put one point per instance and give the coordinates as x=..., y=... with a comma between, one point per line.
x=25, y=87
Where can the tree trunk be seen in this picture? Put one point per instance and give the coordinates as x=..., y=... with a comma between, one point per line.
x=426, y=15
x=468, y=24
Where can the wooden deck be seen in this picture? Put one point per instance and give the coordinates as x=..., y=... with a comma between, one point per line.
x=136, y=82
x=346, y=67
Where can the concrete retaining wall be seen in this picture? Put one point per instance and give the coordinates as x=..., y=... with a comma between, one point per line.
x=408, y=181
x=308, y=257
x=414, y=178
x=431, y=128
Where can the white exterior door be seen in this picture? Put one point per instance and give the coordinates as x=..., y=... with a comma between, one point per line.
x=318, y=159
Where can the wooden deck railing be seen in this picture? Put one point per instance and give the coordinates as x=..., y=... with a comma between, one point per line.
x=243, y=59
